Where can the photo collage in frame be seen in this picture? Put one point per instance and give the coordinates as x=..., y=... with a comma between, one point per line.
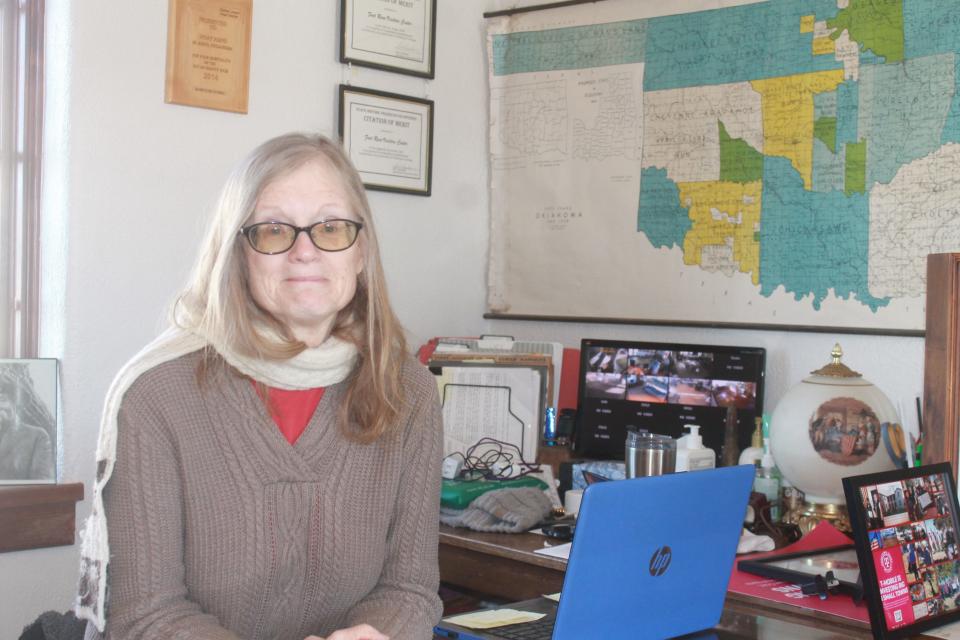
x=906, y=533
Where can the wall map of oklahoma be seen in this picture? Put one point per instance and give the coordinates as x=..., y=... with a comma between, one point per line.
x=784, y=162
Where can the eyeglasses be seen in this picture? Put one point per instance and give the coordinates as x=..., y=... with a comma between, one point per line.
x=270, y=238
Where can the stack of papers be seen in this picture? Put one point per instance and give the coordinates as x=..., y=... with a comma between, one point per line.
x=495, y=387
x=493, y=618
x=490, y=402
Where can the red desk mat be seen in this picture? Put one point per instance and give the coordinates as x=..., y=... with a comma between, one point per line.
x=823, y=535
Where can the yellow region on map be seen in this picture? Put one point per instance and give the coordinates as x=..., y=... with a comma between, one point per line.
x=787, y=104
x=726, y=221
x=806, y=23
x=823, y=46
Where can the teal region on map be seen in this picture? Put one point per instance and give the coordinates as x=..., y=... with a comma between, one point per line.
x=815, y=108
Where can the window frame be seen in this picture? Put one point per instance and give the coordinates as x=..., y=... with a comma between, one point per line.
x=31, y=516
x=21, y=128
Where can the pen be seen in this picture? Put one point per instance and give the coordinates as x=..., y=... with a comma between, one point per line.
x=918, y=451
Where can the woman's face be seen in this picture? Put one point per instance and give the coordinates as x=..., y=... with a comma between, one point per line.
x=304, y=288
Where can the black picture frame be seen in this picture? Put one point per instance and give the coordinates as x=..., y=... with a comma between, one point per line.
x=389, y=139
x=820, y=571
x=376, y=40
x=907, y=535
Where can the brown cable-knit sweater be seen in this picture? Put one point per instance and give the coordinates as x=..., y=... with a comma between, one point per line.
x=219, y=528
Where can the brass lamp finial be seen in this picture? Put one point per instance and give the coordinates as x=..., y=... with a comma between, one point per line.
x=837, y=369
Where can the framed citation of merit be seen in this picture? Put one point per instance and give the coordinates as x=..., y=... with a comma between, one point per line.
x=389, y=138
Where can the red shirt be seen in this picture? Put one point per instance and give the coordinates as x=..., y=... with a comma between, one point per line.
x=292, y=409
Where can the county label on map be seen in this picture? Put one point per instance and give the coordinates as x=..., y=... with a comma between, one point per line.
x=781, y=162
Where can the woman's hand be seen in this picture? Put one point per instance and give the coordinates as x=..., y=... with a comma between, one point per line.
x=358, y=632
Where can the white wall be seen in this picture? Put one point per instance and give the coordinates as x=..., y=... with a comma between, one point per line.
x=132, y=178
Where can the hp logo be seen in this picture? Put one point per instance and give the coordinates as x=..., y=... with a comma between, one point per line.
x=660, y=561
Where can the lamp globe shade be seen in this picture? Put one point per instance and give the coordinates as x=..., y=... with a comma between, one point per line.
x=834, y=424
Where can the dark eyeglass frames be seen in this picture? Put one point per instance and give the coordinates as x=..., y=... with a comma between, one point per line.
x=335, y=234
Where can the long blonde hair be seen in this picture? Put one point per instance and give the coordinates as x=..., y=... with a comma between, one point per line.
x=217, y=302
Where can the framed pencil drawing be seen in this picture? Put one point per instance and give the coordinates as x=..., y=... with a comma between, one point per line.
x=28, y=421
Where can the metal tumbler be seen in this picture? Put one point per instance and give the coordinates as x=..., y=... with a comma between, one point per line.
x=649, y=454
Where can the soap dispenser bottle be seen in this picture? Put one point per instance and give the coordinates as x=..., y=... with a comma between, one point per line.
x=767, y=481
x=754, y=453
x=691, y=454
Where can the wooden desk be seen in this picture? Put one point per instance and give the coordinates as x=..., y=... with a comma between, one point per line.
x=501, y=565
x=504, y=567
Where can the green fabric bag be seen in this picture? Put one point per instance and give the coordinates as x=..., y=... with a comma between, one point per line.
x=458, y=494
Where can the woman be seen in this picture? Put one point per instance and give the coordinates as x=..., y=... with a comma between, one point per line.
x=273, y=459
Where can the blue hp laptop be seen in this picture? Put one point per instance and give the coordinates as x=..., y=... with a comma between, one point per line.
x=651, y=558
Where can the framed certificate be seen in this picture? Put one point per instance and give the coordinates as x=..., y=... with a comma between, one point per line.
x=208, y=53
x=906, y=528
x=389, y=138
x=395, y=35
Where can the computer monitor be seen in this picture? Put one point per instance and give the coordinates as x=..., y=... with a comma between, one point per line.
x=661, y=387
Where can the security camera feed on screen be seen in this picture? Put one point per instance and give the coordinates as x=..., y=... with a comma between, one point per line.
x=913, y=540
x=662, y=387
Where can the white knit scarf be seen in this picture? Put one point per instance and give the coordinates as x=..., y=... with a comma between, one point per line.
x=322, y=366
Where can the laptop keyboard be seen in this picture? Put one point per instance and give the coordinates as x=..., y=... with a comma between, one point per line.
x=538, y=630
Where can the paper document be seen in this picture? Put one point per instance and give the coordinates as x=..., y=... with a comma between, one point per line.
x=540, y=364
x=490, y=402
x=494, y=345
x=561, y=551
x=947, y=632
x=493, y=618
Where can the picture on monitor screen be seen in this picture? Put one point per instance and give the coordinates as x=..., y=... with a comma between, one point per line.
x=661, y=387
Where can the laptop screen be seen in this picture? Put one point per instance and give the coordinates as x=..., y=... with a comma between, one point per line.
x=661, y=387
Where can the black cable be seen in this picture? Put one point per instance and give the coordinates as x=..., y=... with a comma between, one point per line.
x=492, y=459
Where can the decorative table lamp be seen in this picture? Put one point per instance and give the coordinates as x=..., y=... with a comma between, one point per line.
x=833, y=424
